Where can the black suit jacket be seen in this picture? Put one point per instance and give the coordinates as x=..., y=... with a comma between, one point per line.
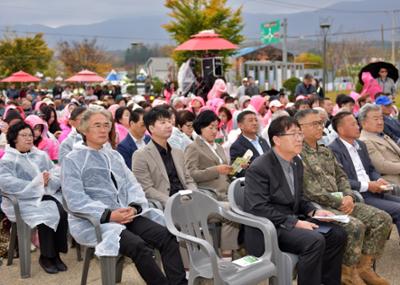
x=344, y=158
x=241, y=145
x=267, y=194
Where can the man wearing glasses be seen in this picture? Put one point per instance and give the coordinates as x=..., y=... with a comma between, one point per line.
x=326, y=183
x=386, y=83
x=274, y=190
x=95, y=181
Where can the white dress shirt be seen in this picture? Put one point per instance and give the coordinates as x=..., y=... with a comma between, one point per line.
x=256, y=144
x=139, y=142
x=362, y=175
x=213, y=148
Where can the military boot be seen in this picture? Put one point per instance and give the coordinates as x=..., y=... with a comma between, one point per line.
x=367, y=274
x=350, y=276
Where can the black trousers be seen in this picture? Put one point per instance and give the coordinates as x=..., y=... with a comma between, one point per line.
x=320, y=255
x=53, y=242
x=138, y=241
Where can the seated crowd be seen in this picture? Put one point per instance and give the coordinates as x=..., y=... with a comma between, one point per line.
x=309, y=161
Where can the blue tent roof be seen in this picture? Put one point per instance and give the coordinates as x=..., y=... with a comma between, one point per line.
x=113, y=76
x=247, y=50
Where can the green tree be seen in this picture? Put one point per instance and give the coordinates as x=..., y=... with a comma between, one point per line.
x=310, y=60
x=192, y=16
x=83, y=55
x=30, y=54
x=290, y=85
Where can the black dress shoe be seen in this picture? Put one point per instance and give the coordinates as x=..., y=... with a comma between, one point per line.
x=48, y=265
x=60, y=264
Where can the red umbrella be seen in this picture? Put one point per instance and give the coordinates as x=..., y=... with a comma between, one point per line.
x=21, y=76
x=85, y=76
x=206, y=40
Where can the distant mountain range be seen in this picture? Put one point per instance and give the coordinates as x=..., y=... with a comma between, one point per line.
x=118, y=34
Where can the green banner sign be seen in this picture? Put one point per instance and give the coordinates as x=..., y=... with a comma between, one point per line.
x=271, y=32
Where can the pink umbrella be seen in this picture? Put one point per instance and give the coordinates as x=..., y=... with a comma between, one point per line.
x=85, y=76
x=206, y=40
x=21, y=76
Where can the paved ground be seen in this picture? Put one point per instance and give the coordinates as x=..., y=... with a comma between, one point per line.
x=388, y=266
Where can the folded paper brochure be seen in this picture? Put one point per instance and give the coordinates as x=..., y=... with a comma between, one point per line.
x=246, y=260
x=338, y=218
x=237, y=164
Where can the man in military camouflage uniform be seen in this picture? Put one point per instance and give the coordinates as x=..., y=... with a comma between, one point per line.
x=368, y=228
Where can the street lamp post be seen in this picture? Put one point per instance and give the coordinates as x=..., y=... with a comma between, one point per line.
x=134, y=46
x=325, y=29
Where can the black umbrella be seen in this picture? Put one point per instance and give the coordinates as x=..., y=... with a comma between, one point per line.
x=374, y=68
x=270, y=92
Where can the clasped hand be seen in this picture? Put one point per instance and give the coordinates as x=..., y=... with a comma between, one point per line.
x=123, y=215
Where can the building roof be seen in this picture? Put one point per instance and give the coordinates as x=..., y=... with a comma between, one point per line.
x=243, y=51
x=263, y=52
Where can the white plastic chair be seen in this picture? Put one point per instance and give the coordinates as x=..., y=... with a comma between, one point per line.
x=285, y=262
x=21, y=231
x=186, y=215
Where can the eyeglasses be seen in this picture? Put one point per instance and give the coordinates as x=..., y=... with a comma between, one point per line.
x=25, y=136
x=315, y=124
x=99, y=127
x=189, y=125
x=295, y=135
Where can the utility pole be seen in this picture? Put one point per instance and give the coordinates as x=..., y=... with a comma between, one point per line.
x=134, y=46
x=284, y=51
x=393, y=36
x=383, y=39
x=325, y=29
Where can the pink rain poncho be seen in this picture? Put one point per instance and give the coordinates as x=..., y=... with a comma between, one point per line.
x=196, y=99
x=46, y=144
x=218, y=88
x=371, y=86
x=64, y=124
x=258, y=102
x=215, y=104
x=121, y=131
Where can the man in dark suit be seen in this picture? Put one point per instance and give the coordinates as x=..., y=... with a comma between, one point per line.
x=352, y=154
x=136, y=137
x=248, y=139
x=274, y=190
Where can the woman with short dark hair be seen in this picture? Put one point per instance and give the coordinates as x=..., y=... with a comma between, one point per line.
x=209, y=168
x=30, y=176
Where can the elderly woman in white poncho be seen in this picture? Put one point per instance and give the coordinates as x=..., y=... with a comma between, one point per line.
x=29, y=175
x=96, y=181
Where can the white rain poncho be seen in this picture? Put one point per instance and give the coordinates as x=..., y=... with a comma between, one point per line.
x=88, y=188
x=21, y=176
x=68, y=144
x=186, y=77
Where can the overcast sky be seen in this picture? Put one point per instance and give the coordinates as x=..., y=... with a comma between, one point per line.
x=56, y=13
